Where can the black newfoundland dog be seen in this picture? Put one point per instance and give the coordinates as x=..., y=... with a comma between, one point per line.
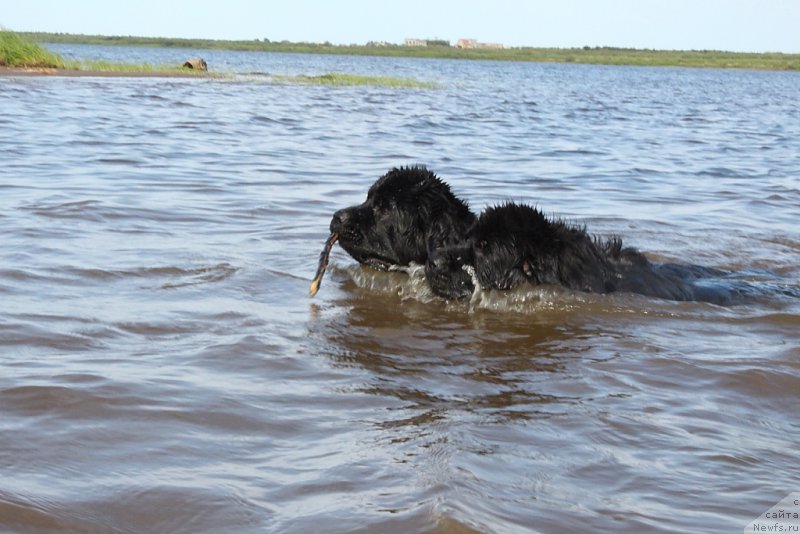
x=514, y=244
x=408, y=212
x=411, y=216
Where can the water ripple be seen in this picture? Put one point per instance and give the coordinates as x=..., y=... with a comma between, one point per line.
x=158, y=347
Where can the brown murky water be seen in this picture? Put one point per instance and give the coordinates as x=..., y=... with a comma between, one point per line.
x=163, y=370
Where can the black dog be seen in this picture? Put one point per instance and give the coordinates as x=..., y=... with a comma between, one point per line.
x=514, y=244
x=408, y=212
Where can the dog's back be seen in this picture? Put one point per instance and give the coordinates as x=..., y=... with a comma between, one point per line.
x=514, y=244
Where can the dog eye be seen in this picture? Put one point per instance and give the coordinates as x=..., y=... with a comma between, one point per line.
x=382, y=207
x=482, y=244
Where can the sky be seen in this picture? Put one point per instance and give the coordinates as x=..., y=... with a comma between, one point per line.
x=735, y=25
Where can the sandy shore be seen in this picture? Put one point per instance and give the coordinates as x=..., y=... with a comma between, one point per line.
x=25, y=71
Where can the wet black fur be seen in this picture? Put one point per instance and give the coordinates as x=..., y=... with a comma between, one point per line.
x=514, y=244
x=408, y=211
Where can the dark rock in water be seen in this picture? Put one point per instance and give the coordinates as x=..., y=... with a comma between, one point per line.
x=197, y=64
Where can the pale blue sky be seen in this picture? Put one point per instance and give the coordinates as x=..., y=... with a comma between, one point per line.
x=738, y=25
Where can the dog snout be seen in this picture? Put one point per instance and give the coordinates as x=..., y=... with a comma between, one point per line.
x=341, y=219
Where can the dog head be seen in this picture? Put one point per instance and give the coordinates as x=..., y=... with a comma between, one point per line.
x=408, y=211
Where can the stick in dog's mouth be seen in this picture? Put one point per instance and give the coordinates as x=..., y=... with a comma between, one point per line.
x=323, y=264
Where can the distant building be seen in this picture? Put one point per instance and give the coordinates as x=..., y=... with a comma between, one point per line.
x=427, y=42
x=473, y=43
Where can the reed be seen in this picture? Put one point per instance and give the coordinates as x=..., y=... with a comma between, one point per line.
x=19, y=51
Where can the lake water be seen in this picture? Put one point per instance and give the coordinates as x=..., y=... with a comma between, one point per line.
x=162, y=368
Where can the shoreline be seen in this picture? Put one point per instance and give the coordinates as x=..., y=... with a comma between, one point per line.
x=718, y=59
x=13, y=72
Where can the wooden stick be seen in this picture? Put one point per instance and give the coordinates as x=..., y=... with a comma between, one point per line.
x=323, y=264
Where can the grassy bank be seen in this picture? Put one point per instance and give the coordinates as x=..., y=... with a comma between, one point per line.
x=19, y=51
x=586, y=55
x=22, y=51
x=122, y=68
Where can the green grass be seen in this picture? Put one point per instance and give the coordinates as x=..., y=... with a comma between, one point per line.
x=344, y=80
x=107, y=66
x=585, y=55
x=22, y=51
x=19, y=51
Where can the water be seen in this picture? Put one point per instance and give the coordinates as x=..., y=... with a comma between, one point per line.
x=163, y=369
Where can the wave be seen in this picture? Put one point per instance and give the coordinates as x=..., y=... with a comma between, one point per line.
x=409, y=283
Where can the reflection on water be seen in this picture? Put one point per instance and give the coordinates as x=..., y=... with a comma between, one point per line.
x=164, y=370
